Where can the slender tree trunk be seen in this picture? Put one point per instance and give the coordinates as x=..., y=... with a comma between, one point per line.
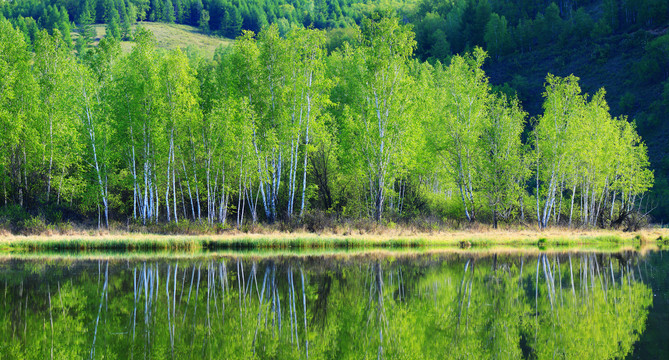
x=192, y=206
x=174, y=187
x=559, y=208
x=167, y=186
x=538, y=194
x=260, y=177
x=306, y=146
x=613, y=204
x=223, y=206
x=197, y=191
x=48, y=187
x=96, y=164
x=571, y=208
x=306, y=152
x=239, y=201
x=494, y=217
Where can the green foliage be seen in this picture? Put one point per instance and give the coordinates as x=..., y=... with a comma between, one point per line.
x=627, y=103
x=497, y=37
x=653, y=65
x=276, y=126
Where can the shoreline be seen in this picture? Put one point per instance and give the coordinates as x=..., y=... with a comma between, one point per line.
x=463, y=239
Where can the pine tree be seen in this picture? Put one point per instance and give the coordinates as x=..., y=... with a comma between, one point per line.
x=168, y=12
x=113, y=27
x=203, y=24
x=226, y=24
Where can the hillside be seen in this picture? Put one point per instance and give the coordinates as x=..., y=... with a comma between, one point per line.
x=171, y=36
x=608, y=63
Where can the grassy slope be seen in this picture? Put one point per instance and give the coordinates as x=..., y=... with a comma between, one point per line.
x=171, y=36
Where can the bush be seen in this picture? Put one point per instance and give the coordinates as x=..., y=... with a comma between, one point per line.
x=12, y=217
x=317, y=221
x=627, y=103
x=34, y=225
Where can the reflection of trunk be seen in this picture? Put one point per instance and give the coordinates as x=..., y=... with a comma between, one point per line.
x=461, y=294
x=547, y=275
x=223, y=277
x=169, y=317
x=208, y=297
x=192, y=277
x=197, y=292
x=51, y=319
x=262, y=297
x=239, y=284
x=571, y=273
x=304, y=303
x=376, y=288
x=97, y=320
x=536, y=299
x=292, y=310
x=135, y=298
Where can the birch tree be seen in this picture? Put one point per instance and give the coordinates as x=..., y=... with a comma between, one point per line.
x=381, y=112
x=181, y=112
x=461, y=112
x=95, y=131
x=501, y=170
x=259, y=75
x=307, y=90
x=18, y=97
x=136, y=108
x=54, y=68
x=552, y=136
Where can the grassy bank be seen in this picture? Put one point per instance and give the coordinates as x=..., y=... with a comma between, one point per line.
x=554, y=238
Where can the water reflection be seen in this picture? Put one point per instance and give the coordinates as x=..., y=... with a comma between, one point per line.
x=591, y=306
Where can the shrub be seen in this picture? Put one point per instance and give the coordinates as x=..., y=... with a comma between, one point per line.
x=627, y=103
x=317, y=221
x=34, y=225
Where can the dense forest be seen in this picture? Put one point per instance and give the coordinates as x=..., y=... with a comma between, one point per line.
x=284, y=126
x=222, y=17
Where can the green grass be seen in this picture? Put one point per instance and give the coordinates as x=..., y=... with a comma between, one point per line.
x=172, y=36
x=301, y=243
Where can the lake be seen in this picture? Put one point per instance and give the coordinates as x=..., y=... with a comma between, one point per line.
x=434, y=305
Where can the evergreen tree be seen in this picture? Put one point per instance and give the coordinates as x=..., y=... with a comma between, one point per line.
x=168, y=12
x=203, y=23
x=113, y=25
x=63, y=26
x=237, y=21
x=497, y=35
x=226, y=24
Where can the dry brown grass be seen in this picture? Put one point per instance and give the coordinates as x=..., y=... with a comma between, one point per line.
x=481, y=233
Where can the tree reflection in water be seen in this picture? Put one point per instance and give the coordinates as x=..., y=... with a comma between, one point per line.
x=590, y=306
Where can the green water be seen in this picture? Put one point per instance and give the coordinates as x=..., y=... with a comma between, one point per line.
x=340, y=306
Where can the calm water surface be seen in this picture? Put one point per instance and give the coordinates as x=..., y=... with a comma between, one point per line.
x=428, y=306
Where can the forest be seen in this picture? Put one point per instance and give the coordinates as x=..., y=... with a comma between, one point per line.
x=281, y=127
